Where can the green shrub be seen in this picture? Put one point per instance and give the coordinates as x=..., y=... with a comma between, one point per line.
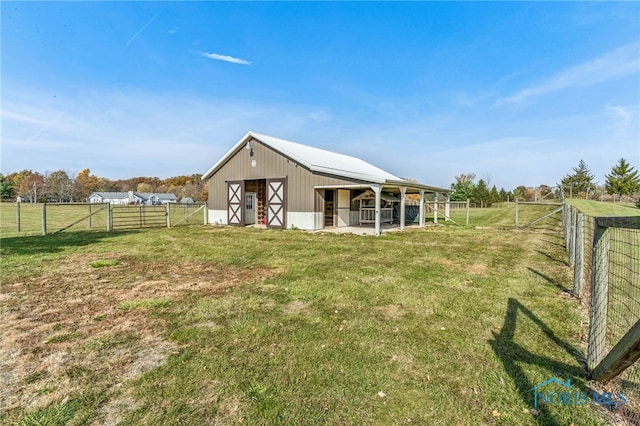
x=101, y=263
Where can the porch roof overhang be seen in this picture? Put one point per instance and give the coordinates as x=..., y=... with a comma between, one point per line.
x=391, y=186
x=370, y=195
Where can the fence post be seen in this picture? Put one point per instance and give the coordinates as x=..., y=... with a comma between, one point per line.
x=435, y=208
x=569, y=232
x=168, y=214
x=565, y=207
x=44, y=218
x=572, y=233
x=569, y=229
x=516, y=212
x=447, y=208
x=599, y=297
x=578, y=270
x=468, y=212
x=205, y=212
x=89, y=216
x=18, y=216
x=109, y=218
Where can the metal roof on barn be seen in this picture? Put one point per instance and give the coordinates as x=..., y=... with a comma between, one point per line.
x=320, y=161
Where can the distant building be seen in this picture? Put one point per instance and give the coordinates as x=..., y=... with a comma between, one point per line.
x=132, y=197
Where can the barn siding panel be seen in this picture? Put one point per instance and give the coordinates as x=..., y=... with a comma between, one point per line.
x=301, y=197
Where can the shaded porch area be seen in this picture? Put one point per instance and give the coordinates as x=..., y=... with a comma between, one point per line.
x=378, y=207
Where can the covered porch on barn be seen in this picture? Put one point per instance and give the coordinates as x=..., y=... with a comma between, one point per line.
x=377, y=205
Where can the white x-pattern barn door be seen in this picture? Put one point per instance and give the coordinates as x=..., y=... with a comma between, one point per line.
x=235, y=197
x=277, y=203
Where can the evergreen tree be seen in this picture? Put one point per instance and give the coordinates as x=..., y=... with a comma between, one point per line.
x=580, y=183
x=481, y=193
x=623, y=179
x=6, y=187
x=494, y=196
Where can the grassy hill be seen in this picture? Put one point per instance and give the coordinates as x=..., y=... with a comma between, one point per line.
x=599, y=208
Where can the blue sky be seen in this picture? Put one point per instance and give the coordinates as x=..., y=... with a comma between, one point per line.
x=514, y=92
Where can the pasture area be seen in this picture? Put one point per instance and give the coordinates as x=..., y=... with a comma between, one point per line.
x=27, y=218
x=205, y=325
x=597, y=208
x=21, y=219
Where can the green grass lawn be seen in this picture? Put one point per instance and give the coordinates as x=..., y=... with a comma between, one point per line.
x=70, y=217
x=599, y=208
x=203, y=325
x=23, y=219
x=502, y=217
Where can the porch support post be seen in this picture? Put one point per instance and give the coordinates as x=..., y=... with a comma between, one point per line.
x=435, y=207
x=403, y=191
x=447, y=207
x=378, y=190
x=421, y=212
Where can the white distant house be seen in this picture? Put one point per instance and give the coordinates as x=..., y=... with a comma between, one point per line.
x=132, y=197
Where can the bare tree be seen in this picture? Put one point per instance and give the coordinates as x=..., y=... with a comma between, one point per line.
x=58, y=185
x=465, y=177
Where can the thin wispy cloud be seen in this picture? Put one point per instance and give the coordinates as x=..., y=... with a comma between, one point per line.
x=10, y=115
x=618, y=63
x=225, y=58
x=144, y=27
x=46, y=126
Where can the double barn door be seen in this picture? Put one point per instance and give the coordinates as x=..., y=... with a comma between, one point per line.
x=276, y=203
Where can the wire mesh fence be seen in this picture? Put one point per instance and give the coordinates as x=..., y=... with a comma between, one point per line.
x=181, y=214
x=605, y=255
x=624, y=281
x=21, y=219
x=538, y=215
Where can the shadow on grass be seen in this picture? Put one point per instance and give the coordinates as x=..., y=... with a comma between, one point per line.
x=512, y=355
x=563, y=262
x=550, y=280
x=54, y=243
x=559, y=243
x=551, y=223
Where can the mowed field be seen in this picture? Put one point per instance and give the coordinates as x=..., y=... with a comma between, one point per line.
x=205, y=325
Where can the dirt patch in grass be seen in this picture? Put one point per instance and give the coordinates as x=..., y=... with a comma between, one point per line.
x=297, y=307
x=63, y=331
x=393, y=311
x=478, y=269
x=229, y=408
x=114, y=410
x=405, y=361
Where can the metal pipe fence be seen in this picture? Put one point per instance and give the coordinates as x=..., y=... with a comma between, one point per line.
x=605, y=255
x=21, y=219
